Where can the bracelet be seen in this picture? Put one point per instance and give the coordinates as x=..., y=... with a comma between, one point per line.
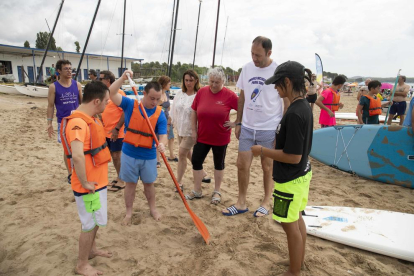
x=117, y=129
x=238, y=124
x=50, y=119
x=261, y=151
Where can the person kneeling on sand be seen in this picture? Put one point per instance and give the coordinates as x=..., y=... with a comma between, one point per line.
x=139, y=157
x=291, y=167
x=84, y=143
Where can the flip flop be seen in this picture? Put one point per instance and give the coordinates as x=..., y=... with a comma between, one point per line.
x=261, y=210
x=175, y=159
x=114, y=187
x=234, y=211
x=158, y=165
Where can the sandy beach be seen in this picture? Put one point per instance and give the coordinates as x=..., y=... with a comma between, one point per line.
x=39, y=226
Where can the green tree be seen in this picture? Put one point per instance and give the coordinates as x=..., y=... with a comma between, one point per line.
x=26, y=44
x=77, y=46
x=41, y=41
x=59, y=49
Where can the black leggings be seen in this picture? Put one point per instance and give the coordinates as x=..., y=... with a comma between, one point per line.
x=200, y=152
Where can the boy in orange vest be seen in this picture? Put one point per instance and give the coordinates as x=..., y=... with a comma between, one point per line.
x=370, y=105
x=84, y=143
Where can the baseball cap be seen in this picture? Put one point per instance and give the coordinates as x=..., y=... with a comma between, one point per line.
x=287, y=69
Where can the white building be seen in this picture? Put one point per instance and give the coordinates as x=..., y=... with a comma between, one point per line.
x=13, y=59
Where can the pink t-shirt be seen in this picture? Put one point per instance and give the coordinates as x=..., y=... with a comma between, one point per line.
x=324, y=118
x=212, y=111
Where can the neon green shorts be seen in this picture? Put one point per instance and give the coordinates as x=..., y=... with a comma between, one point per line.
x=290, y=198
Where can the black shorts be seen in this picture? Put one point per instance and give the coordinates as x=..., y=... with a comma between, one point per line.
x=115, y=146
x=398, y=108
x=200, y=152
x=312, y=98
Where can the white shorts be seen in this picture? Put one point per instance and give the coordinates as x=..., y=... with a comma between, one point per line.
x=93, y=209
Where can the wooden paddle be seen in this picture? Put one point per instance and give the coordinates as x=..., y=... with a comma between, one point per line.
x=197, y=221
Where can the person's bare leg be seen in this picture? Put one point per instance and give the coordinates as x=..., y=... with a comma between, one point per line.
x=402, y=117
x=182, y=163
x=149, y=192
x=218, y=178
x=171, y=148
x=267, y=167
x=198, y=176
x=129, y=196
x=389, y=121
x=86, y=240
x=244, y=161
x=312, y=106
x=295, y=246
x=302, y=228
x=116, y=159
x=158, y=158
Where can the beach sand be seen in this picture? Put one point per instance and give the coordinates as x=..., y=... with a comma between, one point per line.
x=39, y=226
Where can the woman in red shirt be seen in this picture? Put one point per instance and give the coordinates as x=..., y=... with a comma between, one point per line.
x=211, y=111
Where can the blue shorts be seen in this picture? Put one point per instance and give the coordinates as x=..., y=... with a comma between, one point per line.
x=58, y=134
x=115, y=146
x=250, y=137
x=398, y=108
x=133, y=169
x=170, y=132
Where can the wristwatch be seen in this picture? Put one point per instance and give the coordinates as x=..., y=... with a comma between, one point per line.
x=238, y=124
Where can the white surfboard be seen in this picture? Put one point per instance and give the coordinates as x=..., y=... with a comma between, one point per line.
x=383, y=232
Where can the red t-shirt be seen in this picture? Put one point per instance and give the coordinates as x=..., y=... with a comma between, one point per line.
x=212, y=111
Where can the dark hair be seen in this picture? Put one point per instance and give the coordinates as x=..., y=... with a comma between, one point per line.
x=152, y=85
x=339, y=80
x=403, y=77
x=108, y=75
x=373, y=84
x=298, y=82
x=164, y=81
x=94, y=90
x=193, y=74
x=62, y=62
x=92, y=72
x=265, y=42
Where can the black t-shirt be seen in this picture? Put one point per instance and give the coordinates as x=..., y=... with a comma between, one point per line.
x=294, y=136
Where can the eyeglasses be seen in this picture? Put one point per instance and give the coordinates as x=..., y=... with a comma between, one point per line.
x=67, y=69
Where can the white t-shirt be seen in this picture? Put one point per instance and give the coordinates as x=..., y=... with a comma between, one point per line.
x=181, y=113
x=263, y=108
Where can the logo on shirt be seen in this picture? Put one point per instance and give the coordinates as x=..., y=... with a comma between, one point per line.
x=219, y=103
x=259, y=81
x=76, y=128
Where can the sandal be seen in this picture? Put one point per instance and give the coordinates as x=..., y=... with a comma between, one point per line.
x=175, y=159
x=114, y=187
x=181, y=188
x=215, y=200
x=206, y=179
x=158, y=165
x=193, y=195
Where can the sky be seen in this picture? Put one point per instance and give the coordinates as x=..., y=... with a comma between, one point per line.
x=353, y=37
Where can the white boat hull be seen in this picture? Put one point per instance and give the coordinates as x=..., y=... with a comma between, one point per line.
x=33, y=91
x=8, y=89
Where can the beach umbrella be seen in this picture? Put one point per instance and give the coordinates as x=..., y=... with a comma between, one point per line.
x=386, y=86
x=197, y=221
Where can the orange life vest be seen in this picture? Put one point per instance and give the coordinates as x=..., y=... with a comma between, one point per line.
x=335, y=100
x=99, y=147
x=138, y=132
x=374, y=106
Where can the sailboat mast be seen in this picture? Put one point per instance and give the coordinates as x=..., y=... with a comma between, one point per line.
x=49, y=41
x=198, y=21
x=172, y=46
x=87, y=40
x=123, y=36
x=225, y=33
x=215, y=37
x=171, y=33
